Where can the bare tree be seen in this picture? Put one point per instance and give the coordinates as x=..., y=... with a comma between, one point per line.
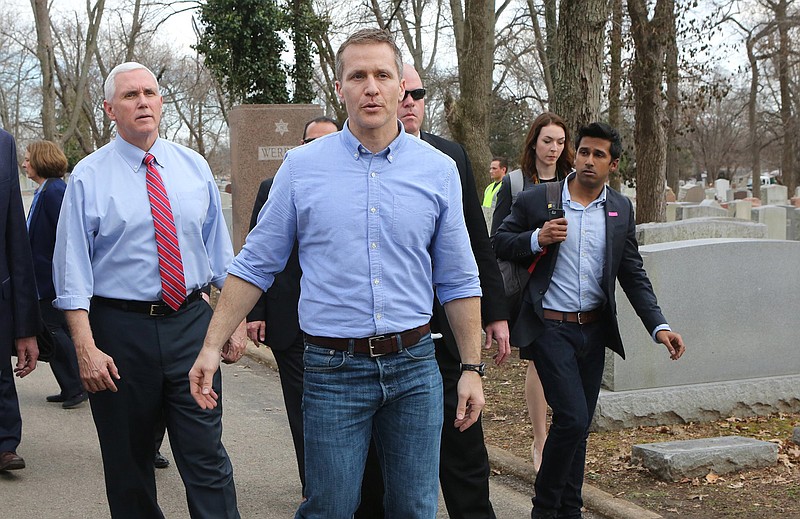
x=578, y=78
x=47, y=62
x=651, y=37
x=468, y=116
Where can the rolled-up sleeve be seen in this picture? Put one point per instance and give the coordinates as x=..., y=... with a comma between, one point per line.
x=216, y=237
x=269, y=243
x=72, y=257
x=455, y=273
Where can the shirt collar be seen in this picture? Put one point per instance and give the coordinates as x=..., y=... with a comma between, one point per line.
x=134, y=156
x=355, y=148
x=600, y=200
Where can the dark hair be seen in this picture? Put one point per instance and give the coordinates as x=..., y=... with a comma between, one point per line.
x=367, y=36
x=528, y=160
x=47, y=159
x=322, y=119
x=603, y=131
x=502, y=160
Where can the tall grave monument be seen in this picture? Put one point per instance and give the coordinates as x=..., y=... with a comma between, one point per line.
x=260, y=136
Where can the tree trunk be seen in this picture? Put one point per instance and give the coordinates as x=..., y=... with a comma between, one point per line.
x=787, y=119
x=578, y=78
x=468, y=116
x=673, y=105
x=46, y=57
x=752, y=119
x=650, y=41
x=615, y=79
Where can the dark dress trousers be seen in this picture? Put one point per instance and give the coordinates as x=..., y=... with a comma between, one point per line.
x=569, y=356
x=278, y=307
x=464, y=463
x=42, y=234
x=19, y=308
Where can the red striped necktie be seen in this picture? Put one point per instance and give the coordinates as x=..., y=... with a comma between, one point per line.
x=170, y=265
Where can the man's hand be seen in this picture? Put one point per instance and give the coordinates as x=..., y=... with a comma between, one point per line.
x=97, y=369
x=553, y=231
x=201, y=377
x=257, y=331
x=235, y=346
x=673, y=342
x=27, y=354
x=498, y=330
x=470, y=400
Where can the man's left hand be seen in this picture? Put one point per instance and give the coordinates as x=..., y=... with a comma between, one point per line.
x=498, y=330
x=673, y=342
x=235, y=346
x=470, y=400
x=27, y=355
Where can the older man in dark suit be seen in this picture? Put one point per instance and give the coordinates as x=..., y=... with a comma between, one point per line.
x=19, y=307
x=568, y=312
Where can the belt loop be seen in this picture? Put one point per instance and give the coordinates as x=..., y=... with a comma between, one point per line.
x=564, y=317
x=351, y=347
x=400, y=345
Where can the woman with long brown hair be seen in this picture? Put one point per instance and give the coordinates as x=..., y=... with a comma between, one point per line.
x=546, y=157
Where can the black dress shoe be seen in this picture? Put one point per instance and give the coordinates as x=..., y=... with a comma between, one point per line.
x=11, y=461
x=56, y=398
x=160, y=462
x=75, y=401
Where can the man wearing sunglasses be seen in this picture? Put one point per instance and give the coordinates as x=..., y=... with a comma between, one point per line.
x=464, y=462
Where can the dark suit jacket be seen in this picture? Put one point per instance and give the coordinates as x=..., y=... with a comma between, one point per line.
x=42, y=234
x=494, y=306
x=623, y=262
x=278, y=305
x=19, y=307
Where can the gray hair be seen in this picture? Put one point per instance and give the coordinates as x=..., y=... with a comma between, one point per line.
x=110, y=85
x=366, y=36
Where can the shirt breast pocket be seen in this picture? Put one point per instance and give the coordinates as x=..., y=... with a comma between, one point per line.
x=412, y=225
x=193, y=208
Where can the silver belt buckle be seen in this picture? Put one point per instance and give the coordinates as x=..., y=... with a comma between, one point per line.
x=153, y=310
x=375, y=338
x=580, y=317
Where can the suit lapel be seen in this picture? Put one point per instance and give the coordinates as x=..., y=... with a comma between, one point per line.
x=613, y=218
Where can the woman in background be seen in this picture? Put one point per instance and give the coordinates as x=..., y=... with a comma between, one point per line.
x=46, y=165
x=546, y=157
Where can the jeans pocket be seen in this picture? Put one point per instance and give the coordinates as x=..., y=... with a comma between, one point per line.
x=322, y=360
x=423, y=350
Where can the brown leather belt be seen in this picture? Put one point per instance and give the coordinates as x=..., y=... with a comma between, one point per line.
x=573, y=317
x=374, y=346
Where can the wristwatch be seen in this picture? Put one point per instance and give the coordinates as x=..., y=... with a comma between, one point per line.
x=480, y=369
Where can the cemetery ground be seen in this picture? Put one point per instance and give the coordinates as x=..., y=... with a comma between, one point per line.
x=764, y=493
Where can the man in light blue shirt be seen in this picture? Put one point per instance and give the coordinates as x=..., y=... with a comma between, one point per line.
x=379, y=222
x=120, y=240
x=568, y=312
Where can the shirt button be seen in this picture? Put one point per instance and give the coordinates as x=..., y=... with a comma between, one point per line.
x=373, y=174
x=373, y=210
x=378, y=316
x=391, y=157
x=376, y=281
x=373, y=245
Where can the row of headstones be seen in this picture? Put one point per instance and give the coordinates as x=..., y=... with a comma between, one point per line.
x=782, y=221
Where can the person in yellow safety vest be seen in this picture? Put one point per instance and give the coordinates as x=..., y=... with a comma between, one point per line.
x=497, y=170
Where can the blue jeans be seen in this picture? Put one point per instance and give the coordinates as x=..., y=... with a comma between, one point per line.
x=348, y=399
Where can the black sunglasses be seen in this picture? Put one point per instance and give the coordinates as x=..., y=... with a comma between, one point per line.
x=416, y=94
x=306, y=141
